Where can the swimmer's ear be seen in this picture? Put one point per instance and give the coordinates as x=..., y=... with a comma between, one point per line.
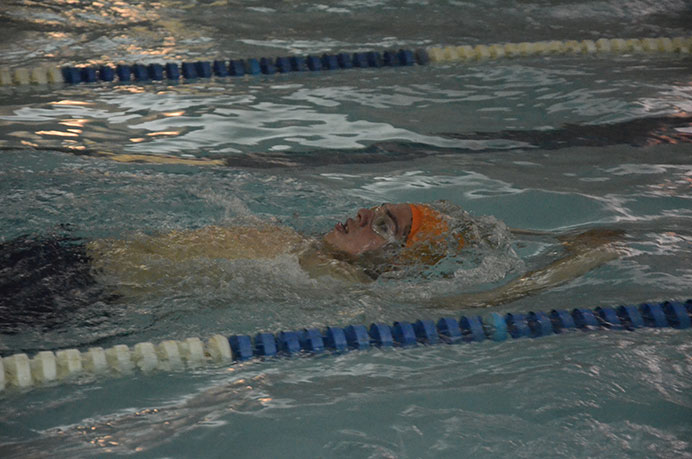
x=379, y=261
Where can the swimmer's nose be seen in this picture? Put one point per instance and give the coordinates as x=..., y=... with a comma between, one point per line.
x=364, y=216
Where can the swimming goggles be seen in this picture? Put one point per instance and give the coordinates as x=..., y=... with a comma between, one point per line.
x=384, y=224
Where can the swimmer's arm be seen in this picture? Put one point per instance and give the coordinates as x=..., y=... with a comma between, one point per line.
x=586, y=251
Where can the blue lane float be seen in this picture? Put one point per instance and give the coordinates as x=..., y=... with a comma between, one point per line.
x=46, y=367
x=235, y=68
x=474, y=328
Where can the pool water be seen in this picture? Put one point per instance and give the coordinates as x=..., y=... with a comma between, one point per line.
x=551, y=143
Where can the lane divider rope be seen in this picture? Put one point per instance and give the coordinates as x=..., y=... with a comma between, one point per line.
x=47, y=367
x=128, y=73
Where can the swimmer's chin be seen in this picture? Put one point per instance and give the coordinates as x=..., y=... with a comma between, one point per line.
x=320, y=260
x=332, y=251
x=383, y=253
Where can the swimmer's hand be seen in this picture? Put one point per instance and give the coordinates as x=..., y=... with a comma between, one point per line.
x=585, y=251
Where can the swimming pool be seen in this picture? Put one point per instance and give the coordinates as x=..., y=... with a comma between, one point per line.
x=306, y=150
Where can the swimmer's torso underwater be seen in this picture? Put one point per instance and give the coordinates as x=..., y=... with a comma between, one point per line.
x=389, y=249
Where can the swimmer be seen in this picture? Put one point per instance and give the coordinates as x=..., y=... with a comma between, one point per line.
x=383, y=241
x=418, y=233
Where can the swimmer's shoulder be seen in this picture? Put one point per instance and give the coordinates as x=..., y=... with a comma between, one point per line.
x=215, y=241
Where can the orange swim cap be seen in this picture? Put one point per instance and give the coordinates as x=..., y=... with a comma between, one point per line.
x=427, y=240
x=426, y=224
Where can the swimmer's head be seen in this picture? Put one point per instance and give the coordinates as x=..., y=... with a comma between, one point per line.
x=371, y=229
x=410, y=232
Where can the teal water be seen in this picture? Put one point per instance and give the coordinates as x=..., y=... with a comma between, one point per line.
x=307, y=151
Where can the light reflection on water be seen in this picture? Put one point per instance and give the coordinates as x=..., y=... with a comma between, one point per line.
x=303, y=114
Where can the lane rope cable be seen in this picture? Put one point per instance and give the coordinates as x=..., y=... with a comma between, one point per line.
x=189, y=71
x=19, y=371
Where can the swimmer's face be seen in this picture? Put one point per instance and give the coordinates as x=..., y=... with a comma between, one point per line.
x=371, y=229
